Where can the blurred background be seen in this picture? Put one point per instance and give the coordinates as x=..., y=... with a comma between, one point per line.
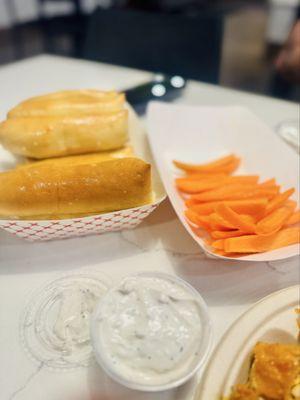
x=246, y=45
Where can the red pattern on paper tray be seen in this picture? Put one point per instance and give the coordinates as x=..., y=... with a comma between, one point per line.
x=61, y=229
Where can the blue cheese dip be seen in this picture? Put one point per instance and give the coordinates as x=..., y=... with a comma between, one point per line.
x=148, y=329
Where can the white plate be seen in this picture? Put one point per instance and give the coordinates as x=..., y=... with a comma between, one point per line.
x=272, y=319
x=200, y=134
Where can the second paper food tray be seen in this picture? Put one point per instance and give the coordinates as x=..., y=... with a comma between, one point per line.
x=201, y=134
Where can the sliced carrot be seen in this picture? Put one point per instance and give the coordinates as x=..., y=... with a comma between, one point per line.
x=243, y=215
x=269, y=182
x=191, y=185
x=294, y=219
x=274, y=221
x=226, y=234
x=191, y=202
x=269, y=187
x=291, y=203
x=198, y=220
x=252, y=207
x=218, y=244
x=243, y=179
x=219, y=223
x=202, y=177
x=279, y=200
x=226, y=169
x=213, y=172
x=211, y=222
x=202, y=208
x=258, y=243
x=211, y=166
x=230, y=167
x=191, y=216
x=236, y=192
x=243, y=222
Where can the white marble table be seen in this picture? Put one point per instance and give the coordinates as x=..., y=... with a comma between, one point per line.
x=160, y=243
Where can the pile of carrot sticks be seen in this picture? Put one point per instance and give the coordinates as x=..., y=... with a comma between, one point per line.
x=239, y=213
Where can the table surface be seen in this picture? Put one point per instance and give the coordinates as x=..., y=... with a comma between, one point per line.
x=160, y=243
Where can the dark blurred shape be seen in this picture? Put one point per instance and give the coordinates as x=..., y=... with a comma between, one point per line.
x=287, y=65
x=288, y=61
x=54, y=28
x=189, y=45
x=281, y=88
x=188, y=6
x=61, y=35
x=247, y=59
x=162, y=87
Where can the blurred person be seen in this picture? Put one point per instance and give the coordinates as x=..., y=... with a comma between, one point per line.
x=288, y=61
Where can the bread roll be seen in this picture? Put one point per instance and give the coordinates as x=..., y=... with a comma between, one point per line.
x=66, y=123
x=69, y=103
x=47, y=191
x=45, y=137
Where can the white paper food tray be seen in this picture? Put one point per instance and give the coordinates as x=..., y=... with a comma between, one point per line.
x=201, y=134
x=114, y=221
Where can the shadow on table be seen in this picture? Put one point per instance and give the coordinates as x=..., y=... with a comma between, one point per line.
x=19, y=256
x=166, y=242
x=237, y=282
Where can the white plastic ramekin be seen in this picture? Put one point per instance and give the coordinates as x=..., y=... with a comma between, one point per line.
x=205, y=339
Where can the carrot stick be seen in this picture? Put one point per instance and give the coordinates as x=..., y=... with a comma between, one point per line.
x=236, y=192
x=243, y=222
x=252, y=207
x=243, y=179
x=226, y=234
x=206, y=222
x=290, y=203
x=294, y=219
x=239, y=214
x=213, y=172
x=274, y=221
x=200, y=176
x=217, y=222
x=198, y=220
x=257, y=243
x=226, y=169
x=192, y=185
x=191, y=202
x=230, y=167
x=219, y=163
x=191, y=216
x=279, y=200
x=218, y=244
x=269, y=182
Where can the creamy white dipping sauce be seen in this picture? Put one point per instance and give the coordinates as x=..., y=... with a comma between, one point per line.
x=71, y=328
x=55, y=323
x=148, y=330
